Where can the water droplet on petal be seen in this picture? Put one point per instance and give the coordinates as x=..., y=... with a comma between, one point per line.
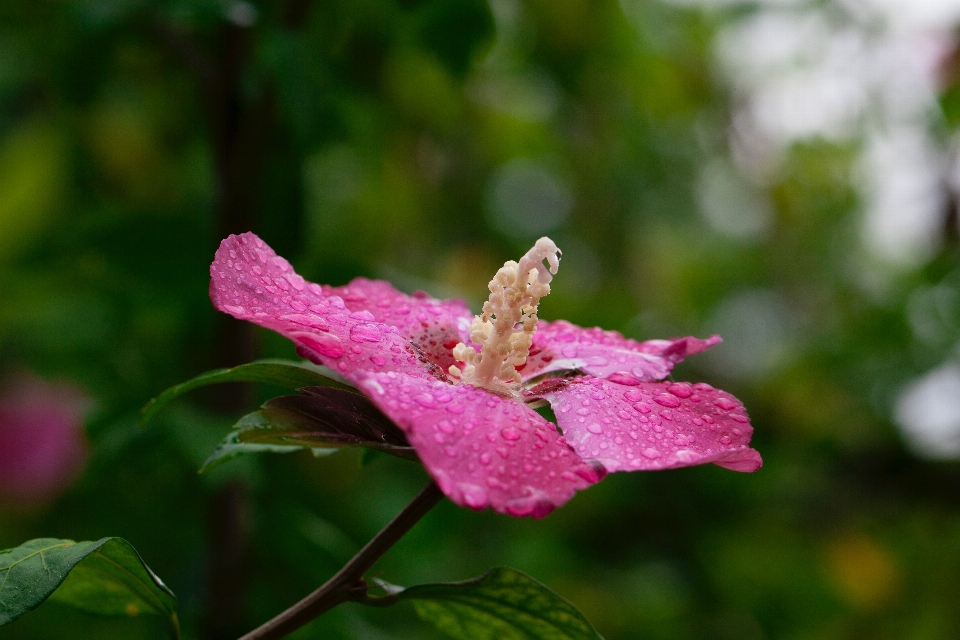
x=474, y=496
x=643, y=407
x=666, y=400
x=365, y=333
x=594, y=428
x=326, y=344
x=378, y=360
x=725, y=440
x=624, y=379
x=425, y=400
x=724, y=404
x=650, y=453
x=485, y=458
x=681, y=389
x=509, y=433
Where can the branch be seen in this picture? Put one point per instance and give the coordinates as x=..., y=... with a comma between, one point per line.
x=348, y=583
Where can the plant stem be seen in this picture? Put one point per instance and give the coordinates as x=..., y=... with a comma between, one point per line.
x=348, y=584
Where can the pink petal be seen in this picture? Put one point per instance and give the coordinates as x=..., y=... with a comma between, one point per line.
x=42, y=444
x=433, y=326
x=481, y=449
x=251, y=282
x=560, y=345
x=651, y=425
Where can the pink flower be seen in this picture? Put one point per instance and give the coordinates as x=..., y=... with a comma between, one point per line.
x=481, y=441
x=42, y=446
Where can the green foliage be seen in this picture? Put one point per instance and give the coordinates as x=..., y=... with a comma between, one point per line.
x=281, y=373
x=322, y=420
x=105, y=577
x=502, y=604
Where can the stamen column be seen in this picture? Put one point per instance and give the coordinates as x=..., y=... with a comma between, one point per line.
x=505, y=329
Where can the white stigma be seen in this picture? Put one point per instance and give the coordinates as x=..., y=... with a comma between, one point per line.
x=505, y=329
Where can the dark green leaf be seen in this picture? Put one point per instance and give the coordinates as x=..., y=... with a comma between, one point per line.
x=105, y=577
x=502, y=604
x=282, y=373
x=367, y=456
x=322, y=420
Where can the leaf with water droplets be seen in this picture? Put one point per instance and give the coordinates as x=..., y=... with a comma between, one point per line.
x=106, y=577
x=322, y=420
x=282, y=373
x=502, y=604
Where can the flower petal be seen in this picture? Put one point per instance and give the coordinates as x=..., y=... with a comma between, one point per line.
x=651, y=425
x=251, y=282
x=483, y=450
x=42, y=444
x=433, y=326
x=560, y=345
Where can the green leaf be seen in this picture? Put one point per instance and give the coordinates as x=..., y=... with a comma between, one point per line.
x=254, y=433
x=367, y=457
x=321, y=419
x=502, y=604
x=282, y=373
x=105, y=577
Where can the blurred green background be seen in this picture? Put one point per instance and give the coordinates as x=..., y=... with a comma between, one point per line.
x=781, y=173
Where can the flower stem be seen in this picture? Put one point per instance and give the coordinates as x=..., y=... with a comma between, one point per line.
x=348, y=583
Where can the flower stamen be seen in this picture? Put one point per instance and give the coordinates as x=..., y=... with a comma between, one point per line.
x=505, y=329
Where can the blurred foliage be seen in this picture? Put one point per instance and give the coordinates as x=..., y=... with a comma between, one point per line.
x=427, y=141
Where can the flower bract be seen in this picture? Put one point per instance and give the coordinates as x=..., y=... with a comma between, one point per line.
x=477, y=433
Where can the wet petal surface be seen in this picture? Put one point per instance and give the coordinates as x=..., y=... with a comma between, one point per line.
x=483, y=450
x=433, y=327
x=560, y=346
x=651, y=425
x=251, y=282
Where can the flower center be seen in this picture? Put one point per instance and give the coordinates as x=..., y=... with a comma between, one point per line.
x=505, y=329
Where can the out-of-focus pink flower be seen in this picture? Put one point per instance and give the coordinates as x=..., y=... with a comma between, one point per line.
x=42, y=444
x=418, y=359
